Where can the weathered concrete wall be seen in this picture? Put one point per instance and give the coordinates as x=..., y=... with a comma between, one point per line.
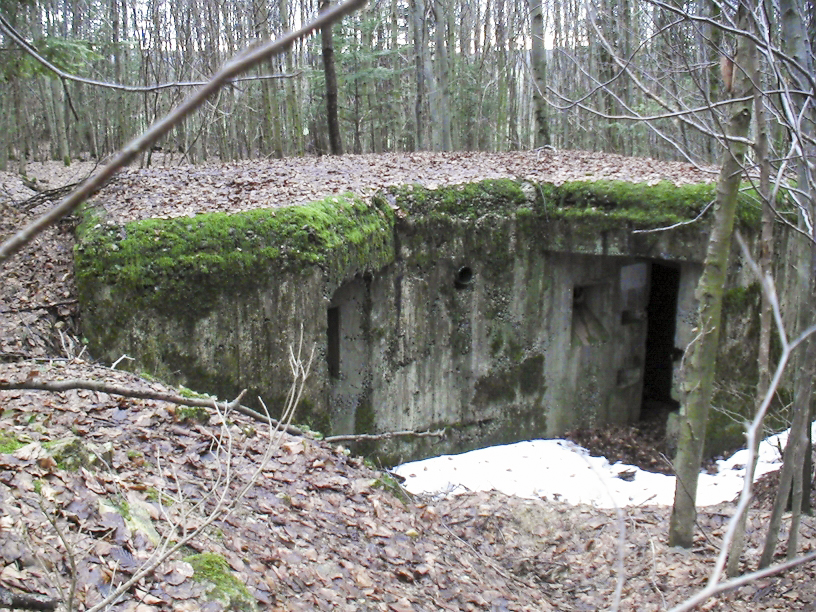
x=502, y=310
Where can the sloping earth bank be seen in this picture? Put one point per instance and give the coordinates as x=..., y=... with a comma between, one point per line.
x=320, y=530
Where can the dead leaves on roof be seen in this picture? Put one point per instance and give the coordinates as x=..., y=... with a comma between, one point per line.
x=165, y=192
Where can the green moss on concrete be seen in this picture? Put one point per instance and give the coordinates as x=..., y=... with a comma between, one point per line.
x=185, y=263
x=613, y=202
x=222, y=585
x=531, y=375
x=739, y=300
x=495, y=388
x=641, y=203
x=501, y=386
x=737, y=373
x=468, y=201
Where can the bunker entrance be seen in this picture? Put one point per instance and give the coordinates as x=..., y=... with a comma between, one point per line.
x=661, y=352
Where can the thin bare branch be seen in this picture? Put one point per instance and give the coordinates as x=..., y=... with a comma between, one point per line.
x=729, y=585
x=14, y=35
x=438, y=433
x=227, y=500
x=241, y=63
x=58, y=386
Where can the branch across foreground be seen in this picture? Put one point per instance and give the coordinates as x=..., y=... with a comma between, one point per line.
x=12, y=33
x=249, y=58
x=59, y=386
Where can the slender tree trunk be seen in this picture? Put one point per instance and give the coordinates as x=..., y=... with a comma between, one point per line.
x=501, y=78
x=766, y=250
x=58, y=100
x=434, y=112
x=698, y=383
x=396, y=130
x=539, y=68
x=6, y=133
x=292, y=106
x=418, y=22
x=332, y=117
x=22, y=128
x=119, y=129
x=794, y=465
x=442, y=69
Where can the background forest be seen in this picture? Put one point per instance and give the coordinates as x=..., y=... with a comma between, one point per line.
x=492, y=75
x=660, y=79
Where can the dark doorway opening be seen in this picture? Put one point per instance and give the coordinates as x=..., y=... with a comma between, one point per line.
x=333, y=343
x=661, y=315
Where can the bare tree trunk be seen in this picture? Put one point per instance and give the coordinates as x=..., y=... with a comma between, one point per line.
x=58, y=100
x=539, y=68
x=766, y=250
x=794, y=466
x=119, y=129
x=432, y=125
x=396, y=123
x=23, y=139
x=443, y=105
x=698, y=382
x=335, y=141
x=501, y=77
x=292, y=106
x=5, y=134
x=418, y=20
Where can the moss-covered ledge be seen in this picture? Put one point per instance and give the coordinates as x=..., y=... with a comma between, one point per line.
x=597, y=217
x=168, y=264
x=642, y=204
x=184, y=263
x=215, y=301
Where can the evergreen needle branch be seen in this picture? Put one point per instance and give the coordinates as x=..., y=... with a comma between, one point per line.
x=249, y=58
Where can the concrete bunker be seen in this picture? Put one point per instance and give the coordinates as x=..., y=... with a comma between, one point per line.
x=499, y=310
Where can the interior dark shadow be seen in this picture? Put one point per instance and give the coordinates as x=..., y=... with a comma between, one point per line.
x=660, y=350
x=333, y=341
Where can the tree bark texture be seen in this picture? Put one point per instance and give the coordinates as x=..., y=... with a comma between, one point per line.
x=766, y=251
x=539, y=67
x=332, y=115
x=442, y=70
x=698, y=381
x=795, y=470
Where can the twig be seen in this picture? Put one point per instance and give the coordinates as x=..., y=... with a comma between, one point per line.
x=67, y=76
x=38, y=307
x=69, y=551
x=239, y=64
x=496, y=567
x=439, y=433
x=227, y=501
x=25, y=601
x=676, y=225
x=58, y=386
x=728, y=585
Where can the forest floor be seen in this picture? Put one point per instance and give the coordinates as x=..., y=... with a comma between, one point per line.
x=320, y=529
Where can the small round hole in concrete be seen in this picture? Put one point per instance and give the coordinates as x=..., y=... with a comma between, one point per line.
x=464, y=276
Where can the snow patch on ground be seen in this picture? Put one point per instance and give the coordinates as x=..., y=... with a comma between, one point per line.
x=562, y=470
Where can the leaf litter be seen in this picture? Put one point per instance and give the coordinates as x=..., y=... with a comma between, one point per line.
x=314, y=533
